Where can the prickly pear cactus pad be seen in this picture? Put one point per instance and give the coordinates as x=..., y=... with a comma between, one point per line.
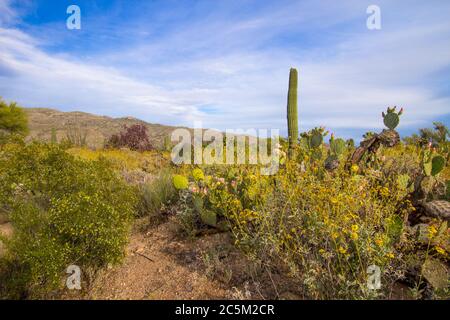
x=391, y=119
x=180, y=182
x=316, y=140
x=437, y=165
x=337, y=146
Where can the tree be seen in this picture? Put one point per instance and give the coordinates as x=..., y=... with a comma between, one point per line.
x=13, y=119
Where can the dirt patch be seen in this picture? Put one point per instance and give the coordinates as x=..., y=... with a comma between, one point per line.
x=162, y=264
x=6, y=230
x=158, y=265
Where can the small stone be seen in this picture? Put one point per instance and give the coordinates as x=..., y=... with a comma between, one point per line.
x=436, y=273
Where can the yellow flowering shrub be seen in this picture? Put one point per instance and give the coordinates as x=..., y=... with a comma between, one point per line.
x=64, y=211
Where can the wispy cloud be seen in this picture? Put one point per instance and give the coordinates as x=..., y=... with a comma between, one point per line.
x=227, y=64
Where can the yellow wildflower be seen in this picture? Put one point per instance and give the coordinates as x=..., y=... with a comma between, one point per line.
x=355, y=228
x=342, y=250
x=440, y=250
x=384, y=192
x=432, y=231
x=379, y=242
x=354, y=168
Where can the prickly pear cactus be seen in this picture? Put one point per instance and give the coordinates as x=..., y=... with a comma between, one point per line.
x=391, y=119
x=337, y=146
x=316, y=140
x=438, y=209
x=432, y=164
x=437, y=164
x=180, y=182
x=209, y=217
x=403, y=182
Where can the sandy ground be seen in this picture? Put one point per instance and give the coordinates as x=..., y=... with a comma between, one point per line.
x=160, y=265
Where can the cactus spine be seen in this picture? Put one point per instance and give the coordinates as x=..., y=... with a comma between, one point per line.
x=292, y=114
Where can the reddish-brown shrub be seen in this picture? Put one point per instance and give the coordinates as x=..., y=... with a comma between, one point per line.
x=134, y=137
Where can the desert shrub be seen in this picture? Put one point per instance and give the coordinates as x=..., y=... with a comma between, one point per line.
x=157, y=194
x=64, y=211
x=13, y=122
x=324, y=227
x=134, y=137
x=13, y=118
x=328, y=231
x=122, y=159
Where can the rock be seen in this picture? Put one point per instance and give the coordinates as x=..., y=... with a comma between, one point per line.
x=436, y=273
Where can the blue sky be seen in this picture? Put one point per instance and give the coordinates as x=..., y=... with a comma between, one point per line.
x=226, y=63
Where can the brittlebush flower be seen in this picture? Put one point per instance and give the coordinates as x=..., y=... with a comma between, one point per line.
x=432, y=231
x=440, y=250
x=379, y=242
x=354, y=168
x=384, y=192
x=342, y=250
x=354, y=236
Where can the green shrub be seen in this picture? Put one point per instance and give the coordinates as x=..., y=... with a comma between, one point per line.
x=157, y=193
x=64, y=211
x=13, y=119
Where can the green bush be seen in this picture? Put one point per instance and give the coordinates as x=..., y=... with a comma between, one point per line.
x=157, y=193
x=64, y=211
x=13, y=118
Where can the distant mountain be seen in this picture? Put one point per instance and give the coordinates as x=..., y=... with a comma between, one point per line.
x=97, y=129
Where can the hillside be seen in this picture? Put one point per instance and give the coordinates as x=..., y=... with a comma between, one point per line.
x=96, y=128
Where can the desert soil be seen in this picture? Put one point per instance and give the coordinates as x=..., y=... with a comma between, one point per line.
x=160, y=264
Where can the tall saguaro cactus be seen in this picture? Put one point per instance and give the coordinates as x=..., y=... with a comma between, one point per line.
x=292, y=114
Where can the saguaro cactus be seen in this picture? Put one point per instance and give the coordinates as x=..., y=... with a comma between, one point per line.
x=292, y=114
